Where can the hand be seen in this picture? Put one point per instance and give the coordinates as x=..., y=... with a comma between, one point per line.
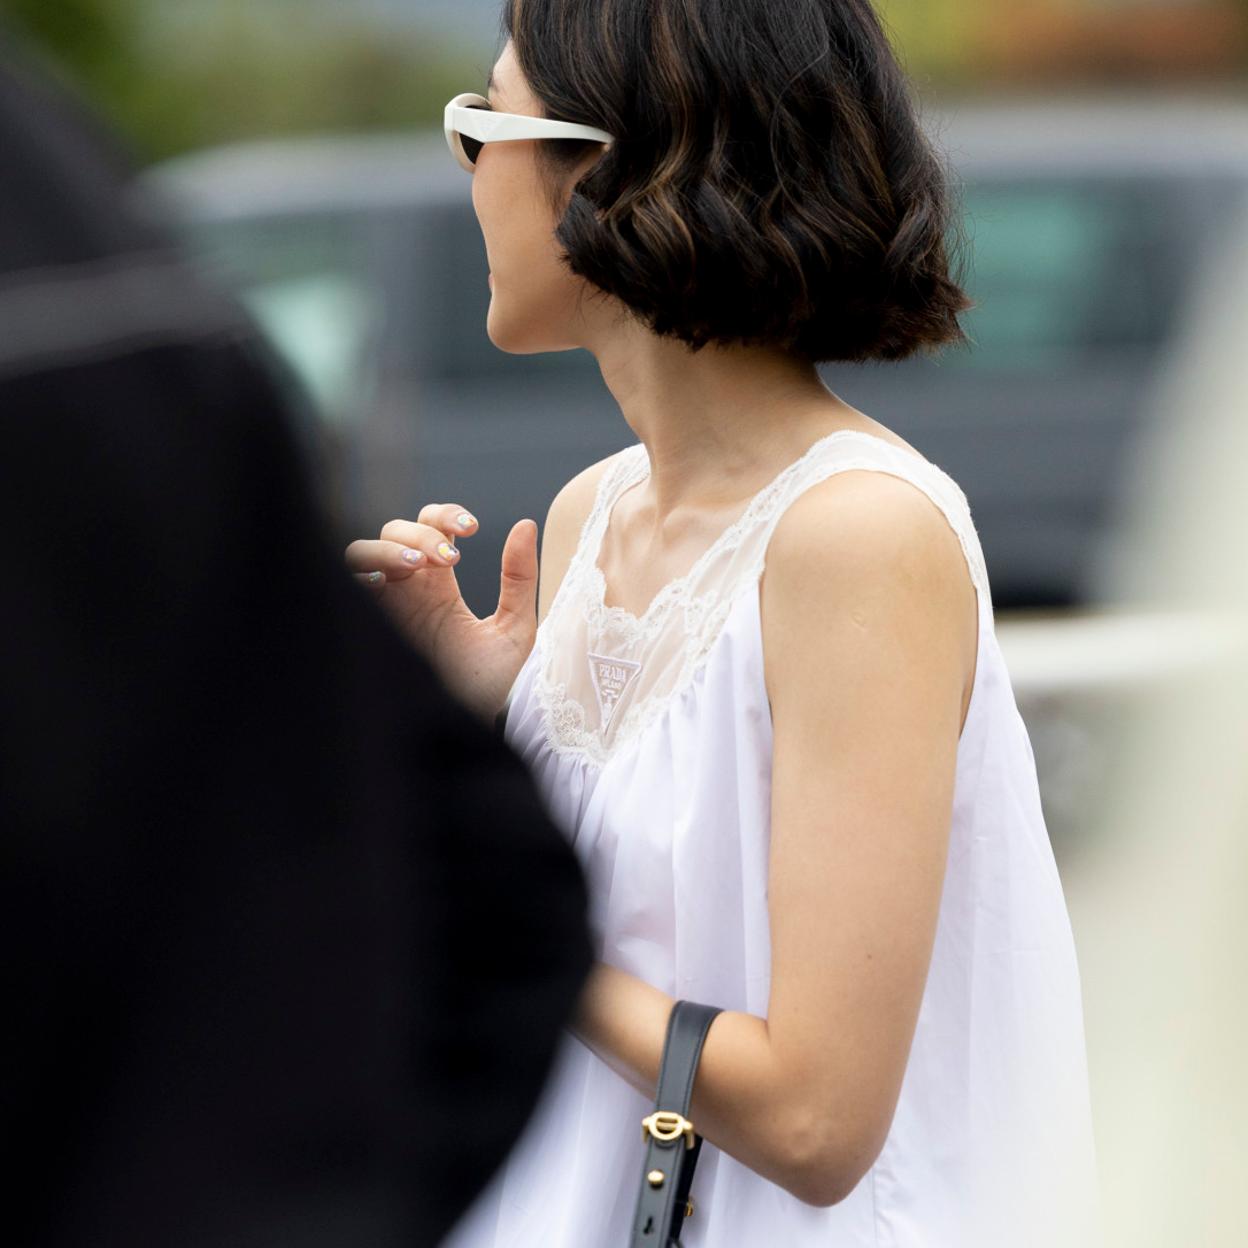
x=411, y=568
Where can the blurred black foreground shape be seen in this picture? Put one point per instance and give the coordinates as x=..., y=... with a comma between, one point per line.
x=290, y=938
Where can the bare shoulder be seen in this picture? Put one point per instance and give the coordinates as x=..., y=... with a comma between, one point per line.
x=867, y=546
x=867, y=517
x=565, y=518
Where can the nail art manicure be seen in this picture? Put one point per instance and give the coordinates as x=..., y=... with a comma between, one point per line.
x=447, y=551
x=412, y=556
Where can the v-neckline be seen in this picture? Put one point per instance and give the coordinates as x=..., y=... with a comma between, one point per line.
x=671, y=589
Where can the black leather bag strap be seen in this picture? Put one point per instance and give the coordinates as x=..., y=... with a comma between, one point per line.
x=672, y=1145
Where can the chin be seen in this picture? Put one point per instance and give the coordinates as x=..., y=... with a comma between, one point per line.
x=518, y=335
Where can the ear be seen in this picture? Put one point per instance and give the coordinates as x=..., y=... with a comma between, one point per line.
x=561, y=182
x=585, y=164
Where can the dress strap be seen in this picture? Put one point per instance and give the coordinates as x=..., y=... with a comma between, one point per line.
x=614, y=479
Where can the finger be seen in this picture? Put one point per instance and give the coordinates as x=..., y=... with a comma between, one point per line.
x=450, y=518
x=437, y=545
x=517, y=597
x=393, y=558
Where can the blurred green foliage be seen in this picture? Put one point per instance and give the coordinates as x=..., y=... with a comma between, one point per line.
x=959, y=43
x=94, y=36
x=936, y=39
x=180, y=74
x=230, y=70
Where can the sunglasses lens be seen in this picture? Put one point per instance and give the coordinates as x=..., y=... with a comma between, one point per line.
x=472, y=147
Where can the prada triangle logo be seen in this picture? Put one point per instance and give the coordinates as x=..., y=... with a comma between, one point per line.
x=611, y=678
x=487, y=122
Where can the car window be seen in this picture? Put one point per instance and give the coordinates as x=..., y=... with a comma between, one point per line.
x=305, y=281
x=321, y=325
x=1059, y=271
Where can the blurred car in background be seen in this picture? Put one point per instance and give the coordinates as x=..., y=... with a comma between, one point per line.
x=1089, y=223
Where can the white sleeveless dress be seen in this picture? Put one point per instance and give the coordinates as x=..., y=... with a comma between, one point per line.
x=650, y=740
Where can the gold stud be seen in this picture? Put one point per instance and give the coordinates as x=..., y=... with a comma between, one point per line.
x=689, y=1207
x=656, y=1178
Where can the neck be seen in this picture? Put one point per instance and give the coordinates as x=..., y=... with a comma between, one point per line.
x=719, y=424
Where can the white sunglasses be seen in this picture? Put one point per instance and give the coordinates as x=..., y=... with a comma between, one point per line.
x=470, y=122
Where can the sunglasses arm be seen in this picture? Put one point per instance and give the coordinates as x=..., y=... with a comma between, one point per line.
x=492, y=127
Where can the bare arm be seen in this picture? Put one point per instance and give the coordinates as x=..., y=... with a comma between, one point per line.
x=869, y=637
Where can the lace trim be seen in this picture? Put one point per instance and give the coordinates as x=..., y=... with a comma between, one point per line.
x=566, y=720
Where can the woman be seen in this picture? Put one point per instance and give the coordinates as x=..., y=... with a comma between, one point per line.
x=761, y=691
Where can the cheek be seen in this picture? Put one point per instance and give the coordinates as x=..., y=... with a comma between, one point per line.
x=515, y=218
x=483, y=200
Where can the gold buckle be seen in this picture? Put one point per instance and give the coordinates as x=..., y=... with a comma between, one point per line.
x=666, y=1125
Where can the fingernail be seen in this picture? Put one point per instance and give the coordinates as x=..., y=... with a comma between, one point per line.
x=464, y=520
x=375, y=578
x=447, y=551
x=412, y=556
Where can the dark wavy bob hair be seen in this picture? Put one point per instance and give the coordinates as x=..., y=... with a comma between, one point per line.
x=770, y=183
